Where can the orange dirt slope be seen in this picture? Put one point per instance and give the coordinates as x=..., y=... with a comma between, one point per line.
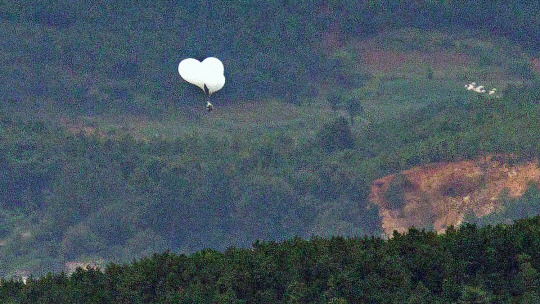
x=441, y=194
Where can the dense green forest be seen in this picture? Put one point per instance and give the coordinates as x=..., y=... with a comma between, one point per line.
x=493, y=264
x=317, y=125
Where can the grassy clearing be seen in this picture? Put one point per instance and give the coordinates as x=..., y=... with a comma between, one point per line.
x=413, y=68
x=246, y=118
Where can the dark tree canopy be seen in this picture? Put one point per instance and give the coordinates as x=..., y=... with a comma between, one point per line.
x=494, y=264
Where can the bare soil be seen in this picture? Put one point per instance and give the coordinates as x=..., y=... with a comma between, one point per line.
x=443, y=193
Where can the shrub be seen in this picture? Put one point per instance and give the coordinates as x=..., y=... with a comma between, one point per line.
x=336, y=136
x=395, y=195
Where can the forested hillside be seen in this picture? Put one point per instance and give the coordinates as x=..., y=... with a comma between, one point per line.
x=110, y=56
x=72, y=197
x=469, y=265
x=106, y=155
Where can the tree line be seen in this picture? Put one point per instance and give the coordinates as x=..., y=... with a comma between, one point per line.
x=493, y=264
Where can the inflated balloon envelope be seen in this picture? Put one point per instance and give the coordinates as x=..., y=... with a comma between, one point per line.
x=209, y=72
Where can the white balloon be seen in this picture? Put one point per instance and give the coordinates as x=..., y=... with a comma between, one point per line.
x=212, y=64
x=215, y=83
x=209, y=72
x=191, y=71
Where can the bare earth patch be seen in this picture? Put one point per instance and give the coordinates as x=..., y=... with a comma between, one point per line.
x=536, y=65
x=389, y=60
x=71, y=267
x=442, y=193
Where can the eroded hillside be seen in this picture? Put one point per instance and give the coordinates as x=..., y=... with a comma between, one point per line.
x=441, y=194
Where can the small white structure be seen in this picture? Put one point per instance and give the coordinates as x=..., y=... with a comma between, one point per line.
x=470, y=86
x=479, y=89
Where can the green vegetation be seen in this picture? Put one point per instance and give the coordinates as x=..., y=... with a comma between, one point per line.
x=75, y=197
x=493, y=264
x=526, y=206
x=111, y=57
x=92, y=197
x=102, y=156
x=395, y=193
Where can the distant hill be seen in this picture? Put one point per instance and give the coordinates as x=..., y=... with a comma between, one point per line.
x=109, y=57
